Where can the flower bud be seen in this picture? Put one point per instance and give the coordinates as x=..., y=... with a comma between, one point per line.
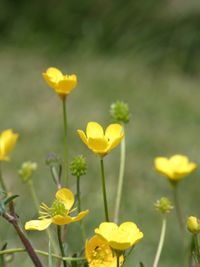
x=193, y=225
x=27, y=170
x=78, y=166
x=163, y=205
x=120, y=112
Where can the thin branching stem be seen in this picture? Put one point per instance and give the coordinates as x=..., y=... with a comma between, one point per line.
x=65, y=164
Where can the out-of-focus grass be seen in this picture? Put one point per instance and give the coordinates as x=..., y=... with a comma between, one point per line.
x=165, y=120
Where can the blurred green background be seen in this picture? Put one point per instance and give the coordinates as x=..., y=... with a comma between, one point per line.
x=145, y=53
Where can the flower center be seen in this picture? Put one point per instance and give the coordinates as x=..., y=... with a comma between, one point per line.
x=58, y=208
x=100, y=254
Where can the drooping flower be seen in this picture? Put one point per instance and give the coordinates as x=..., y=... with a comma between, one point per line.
x=99, y=254
x=193, y=225
x=58, y=213
x=175, y=167
x=62, y=84
x=101, y=143
x=8, y=140
x=120, y=237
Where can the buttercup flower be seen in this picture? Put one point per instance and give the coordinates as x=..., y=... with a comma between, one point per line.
x=99, y=254
x=62, y=84
x=175, y=168
x=58, y=213
x=120, y=237
x=101, y=143
x=193, y=225
x=8, y=140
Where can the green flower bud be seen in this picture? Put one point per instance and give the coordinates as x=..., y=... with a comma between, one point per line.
x=163, y=205
x=78, y=166
x=120, y=112
x=27, y=170
x=193, y=225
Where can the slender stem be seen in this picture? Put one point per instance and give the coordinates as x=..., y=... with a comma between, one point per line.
x=50, y=261
x=36, y=203
x=161, y=242
x=178, y=208
x=197, y=251
x=33, y=194
x=118, y=261
x=104, y=190
x=61, y=244
x=2, y=184
x=65, y=166
x=78, y=192
x=41, y=252
x=121, y=178
x=11, y=219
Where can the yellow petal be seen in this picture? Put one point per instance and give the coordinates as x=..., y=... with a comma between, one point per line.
x=98, y=145
x=61, y=220
x=67, y=84
x=8, y=140
x=66, y=196
x=114, y=131
x=162, y=165
x=94, y=130
x=83, y=136
x=106, y=230
x=39, y=225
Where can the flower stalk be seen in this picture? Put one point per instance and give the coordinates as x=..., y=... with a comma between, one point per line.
x=161, y=242
x=197, y=251
x=2, y=184
x=65, y=164
x=121, y=178
x=61, y=244
x=177, y=207
x=79, y=206
x=104, y=190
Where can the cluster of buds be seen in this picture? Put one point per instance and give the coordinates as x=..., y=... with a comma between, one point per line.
x=78, y=166
x=120, y=112
x=163, y=205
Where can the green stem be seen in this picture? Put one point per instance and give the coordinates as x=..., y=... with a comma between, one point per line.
x=42, y=253
x=79, y=206
x=178, y=208
x=120, y=181
x=2, y=184
x=61, y=244
x=197, y=251
x=104, y=190
x=65, y=165
x=36, y=203
x=50, y=261
x=161, y=242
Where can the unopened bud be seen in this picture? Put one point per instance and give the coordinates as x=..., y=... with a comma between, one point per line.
x=163, y=205
x=120, y=112
x=27, y=170
x=193, y=225
x=78, y=166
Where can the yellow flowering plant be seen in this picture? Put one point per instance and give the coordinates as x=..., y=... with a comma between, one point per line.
x=112, y=241
x=99, y=142
x=62, y=84
x=58, y=213
x=174, y=168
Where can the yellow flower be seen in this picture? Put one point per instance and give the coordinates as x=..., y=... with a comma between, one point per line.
x=101, y=143
x=8, y=140
x=175, y=168
x=62, y=84
x=99, y=254
x=193, y=225
x=58, y=213
x=120, y=237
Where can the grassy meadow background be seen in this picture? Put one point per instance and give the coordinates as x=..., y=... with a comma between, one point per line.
x=156, y=75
